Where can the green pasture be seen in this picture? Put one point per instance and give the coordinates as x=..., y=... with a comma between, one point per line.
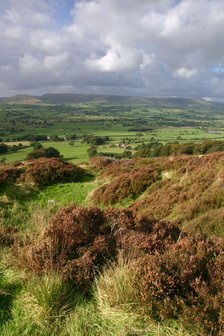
x=130, y=124
x=17, y=156
x=77, y=153
x=66, y=193
x=182, y=134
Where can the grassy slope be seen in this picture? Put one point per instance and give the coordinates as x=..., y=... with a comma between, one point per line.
x=45, y=305
x=189, y=191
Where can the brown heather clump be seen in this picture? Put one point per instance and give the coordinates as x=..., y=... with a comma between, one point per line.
x=80, y=240
x=180, y=189
x=9, y=173
x=127, y=185
x=196, y=187
x=76, y=242
x=139, y=234
x=175, y=277
x=42, y=171
x=100, y=162
x=186, y=282
x=7, y=236
x=46, y=171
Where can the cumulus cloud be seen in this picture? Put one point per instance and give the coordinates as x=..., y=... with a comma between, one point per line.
x=186, y=73
x=145, y=47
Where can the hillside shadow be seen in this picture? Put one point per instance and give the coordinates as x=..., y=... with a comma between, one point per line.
x=18, y=193
x=89, y=177
x=8, y=293
x=70, y=158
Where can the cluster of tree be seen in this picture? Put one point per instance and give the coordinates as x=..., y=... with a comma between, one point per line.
x=156, y=149
x=41, y=137
x=4, y=148
x=39, y=151
x=71, y=137
x=95, y=140
x=33, y=137
x=140, y=129
x=92, y=151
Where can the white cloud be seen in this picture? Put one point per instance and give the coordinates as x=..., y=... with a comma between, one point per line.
x=49, y=42
x=186, y=73
x=29, y=64
x=117, y=58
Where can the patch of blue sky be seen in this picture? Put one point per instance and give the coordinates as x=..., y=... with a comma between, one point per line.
x=3, y=7
x=217, y=69
x=177, y=2
x=63, y=12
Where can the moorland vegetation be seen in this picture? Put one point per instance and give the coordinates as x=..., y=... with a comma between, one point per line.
x=130, y=246
x=163, y=250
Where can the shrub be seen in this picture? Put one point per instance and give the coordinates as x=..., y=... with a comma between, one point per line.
x=127, y=185
x=175, y=276
x=3, y=148
x=9, y=173
x=76, y=242
x=7, y=236
x=49, y=152
x=48, y=171
x=100, y=162
x=186, y=281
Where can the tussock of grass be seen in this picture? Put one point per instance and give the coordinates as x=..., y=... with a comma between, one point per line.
x=46, y=306
x=41, y=306
x=116, y=298
x=115, y=288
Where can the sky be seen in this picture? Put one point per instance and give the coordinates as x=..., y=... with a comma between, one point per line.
x=123, y=47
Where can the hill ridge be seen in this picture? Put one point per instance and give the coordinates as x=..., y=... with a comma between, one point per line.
x=69, y=98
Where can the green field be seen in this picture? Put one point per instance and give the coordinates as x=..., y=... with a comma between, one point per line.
x=66, y=193
x=130, y=124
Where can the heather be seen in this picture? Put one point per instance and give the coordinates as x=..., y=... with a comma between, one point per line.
x=169, y=275
x=141, y=251
x=181, y=189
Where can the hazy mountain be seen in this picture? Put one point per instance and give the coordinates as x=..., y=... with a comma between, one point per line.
x=70, y=98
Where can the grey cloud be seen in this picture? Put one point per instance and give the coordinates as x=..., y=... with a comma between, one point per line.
x=157, y=47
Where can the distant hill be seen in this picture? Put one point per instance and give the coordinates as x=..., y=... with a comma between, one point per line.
x=69, y=98
x=22, y=99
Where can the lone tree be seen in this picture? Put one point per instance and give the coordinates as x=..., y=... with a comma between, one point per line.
x=3, y=148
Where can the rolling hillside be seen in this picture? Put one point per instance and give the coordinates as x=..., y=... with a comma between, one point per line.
x=70, y=98
x=187, y=190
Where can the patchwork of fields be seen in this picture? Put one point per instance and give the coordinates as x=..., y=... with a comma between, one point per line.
x=124, y=124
